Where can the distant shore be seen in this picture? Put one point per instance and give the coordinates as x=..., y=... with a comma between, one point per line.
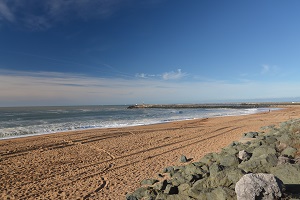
x=214, y=105
x=108, y=163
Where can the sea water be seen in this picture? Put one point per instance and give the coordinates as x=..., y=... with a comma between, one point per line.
x=26, y=121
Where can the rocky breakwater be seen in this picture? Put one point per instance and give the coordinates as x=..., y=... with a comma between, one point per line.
x=262, y=165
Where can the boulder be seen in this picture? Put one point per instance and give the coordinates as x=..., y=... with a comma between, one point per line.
x=138, y=194
x=148, y=181
x=170, y=189
x=244, y=155
x=221, y=193
x=261, y=164
x=161, y=185
x=251, y=134
x=183, y=159
x=258, y=186
x=184, y=189
x=214, y=169
x=270, y=140
x=287, y=173
x=283, y=160
x=286, y=138
x=289, y=152
x=264, y=149
x=229, y=160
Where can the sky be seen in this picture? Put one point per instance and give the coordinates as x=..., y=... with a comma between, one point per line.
x=105, y=52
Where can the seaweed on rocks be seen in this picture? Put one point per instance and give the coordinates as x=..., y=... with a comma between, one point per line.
x=274, y=152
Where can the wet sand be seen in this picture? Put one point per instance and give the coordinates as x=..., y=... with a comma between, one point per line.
x=107, y=163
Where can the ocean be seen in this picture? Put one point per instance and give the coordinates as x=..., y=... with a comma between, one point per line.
x=26, y=121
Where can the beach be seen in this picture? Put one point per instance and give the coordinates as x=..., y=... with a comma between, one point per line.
x=108, y=163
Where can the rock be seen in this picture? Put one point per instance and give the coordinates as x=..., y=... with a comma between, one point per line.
x=148, y=181
x=286, y=138
x=131, y=197
x=184, y=189
x=178, y=178
x=178, y=197
x=221, y=193
x=183, y=159
x=261, y=164
x=169, y=170
x=263, y=150
x=229, y=160
x=170, y=189
x=251, y=135
x=287, y=173
x=214, y=169
x=270, y=140
x=244, y=155
x=258, y=186
x=224, y=178
x=208, y=159
x=138, y=194
x=161, y=185
x=229, y=150
x=281, y=146
x=150, y=194
x=193, y=169
x=289, y=152
x=283, y=160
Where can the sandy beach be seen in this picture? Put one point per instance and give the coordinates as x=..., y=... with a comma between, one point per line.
x=108, y=163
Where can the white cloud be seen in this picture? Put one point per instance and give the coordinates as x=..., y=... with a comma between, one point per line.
x=269, y=69
x=50, y=88
x=165, y=76
x=173, y=75
x=5, y=12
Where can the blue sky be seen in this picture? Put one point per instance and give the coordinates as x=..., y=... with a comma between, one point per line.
x=77, y=52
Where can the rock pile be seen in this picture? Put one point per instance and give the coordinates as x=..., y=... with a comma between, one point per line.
x=264, y=165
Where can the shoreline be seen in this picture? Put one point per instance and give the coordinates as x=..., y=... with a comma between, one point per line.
x=135, y=125
x=108, y=163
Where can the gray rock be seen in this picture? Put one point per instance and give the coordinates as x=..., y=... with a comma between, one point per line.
x=170, y=189
x=178, y=197
x=184, y=189
x=183, y=159
x=244, y=155
x=224, y=178
x=168, y=169
x=263, y=150
x=251, y=135
x=229, y=160
x=270, y=140
x=286, y=138
x=261, y=164
x=208, y=159
x=258, y=186
x=221, y=193
x=161, y=185
x=281, y=146
x=178, y=178
x=148, y=181
x=131, y=197
x=214, y=169
x=193, y=169
x=283, y=160
x=289, y=151
x=138, y=194
x=230, y=150
x=287, y=173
